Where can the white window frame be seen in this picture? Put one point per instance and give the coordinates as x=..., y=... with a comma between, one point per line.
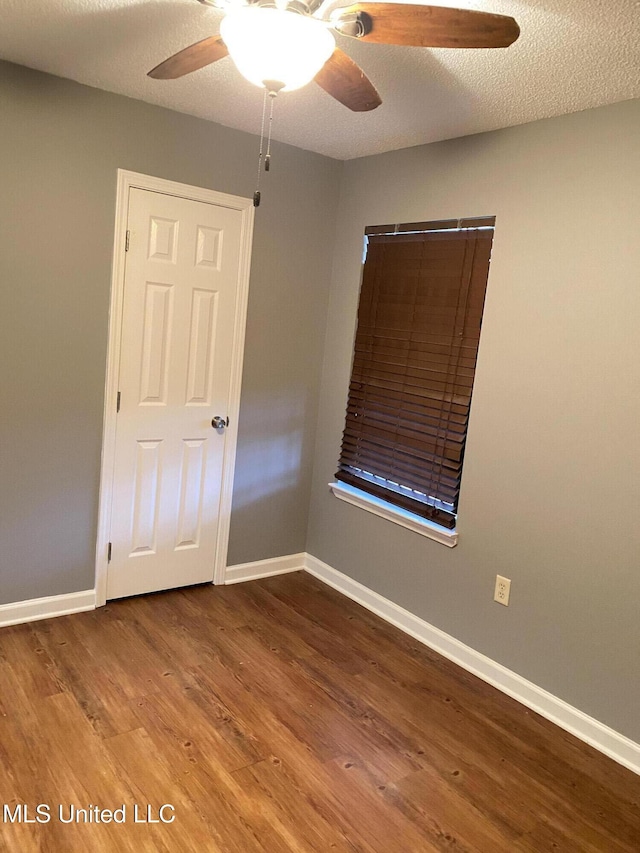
x=397, y=515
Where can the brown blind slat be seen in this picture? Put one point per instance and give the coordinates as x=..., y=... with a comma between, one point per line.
x=416, y=344
x=411, y=404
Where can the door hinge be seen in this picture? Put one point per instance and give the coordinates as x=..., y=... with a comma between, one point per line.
x=127, y=241
x=118, y=403
x=109, y=552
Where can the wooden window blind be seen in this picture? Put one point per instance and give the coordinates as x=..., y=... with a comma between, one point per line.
x=417, y=338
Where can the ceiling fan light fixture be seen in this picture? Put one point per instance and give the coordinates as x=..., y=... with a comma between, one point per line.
x=270, y=44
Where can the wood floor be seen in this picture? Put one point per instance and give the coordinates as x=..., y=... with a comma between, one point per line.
x=278, y=716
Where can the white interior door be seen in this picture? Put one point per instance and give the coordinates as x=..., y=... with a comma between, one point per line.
x=176, y=353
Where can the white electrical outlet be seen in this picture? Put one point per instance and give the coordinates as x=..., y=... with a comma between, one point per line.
x=502, y=590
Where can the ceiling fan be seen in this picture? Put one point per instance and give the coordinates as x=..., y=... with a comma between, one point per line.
x=284, y=44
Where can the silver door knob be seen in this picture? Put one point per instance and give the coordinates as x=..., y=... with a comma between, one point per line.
x=219, y=423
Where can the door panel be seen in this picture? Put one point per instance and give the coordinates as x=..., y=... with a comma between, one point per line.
x=204, y=319
x=179, y=315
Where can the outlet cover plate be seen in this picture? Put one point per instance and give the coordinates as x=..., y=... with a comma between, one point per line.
x=502, y=590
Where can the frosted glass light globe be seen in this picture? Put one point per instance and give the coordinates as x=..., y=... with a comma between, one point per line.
x=276, y=45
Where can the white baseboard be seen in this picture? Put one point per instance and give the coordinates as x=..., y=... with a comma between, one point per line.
x=46, y=608
x=591, y=731
x=265, y=568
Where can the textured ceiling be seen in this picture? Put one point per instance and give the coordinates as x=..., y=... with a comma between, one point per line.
x=571, y=55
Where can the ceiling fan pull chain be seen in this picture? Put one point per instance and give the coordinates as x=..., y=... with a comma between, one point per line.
x=256, y=195
x=267, y=159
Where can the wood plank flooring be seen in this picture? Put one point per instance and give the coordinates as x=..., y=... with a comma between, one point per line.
x=278, y=716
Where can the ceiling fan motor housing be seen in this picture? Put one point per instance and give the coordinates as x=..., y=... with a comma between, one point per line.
x=303, y=7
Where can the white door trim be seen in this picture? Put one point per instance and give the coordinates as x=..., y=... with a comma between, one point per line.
x=127, y=180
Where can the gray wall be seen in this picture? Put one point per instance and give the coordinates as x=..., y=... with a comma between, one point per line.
x=60, y=147
x=551, y=485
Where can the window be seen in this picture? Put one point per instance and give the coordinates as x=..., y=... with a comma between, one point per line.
x=419, y=320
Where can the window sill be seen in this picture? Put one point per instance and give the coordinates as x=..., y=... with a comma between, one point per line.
x=395, y=514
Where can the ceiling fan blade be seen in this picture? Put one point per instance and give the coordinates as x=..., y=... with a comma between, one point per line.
x=345, y=81
x=430, y=26
x=190, y=59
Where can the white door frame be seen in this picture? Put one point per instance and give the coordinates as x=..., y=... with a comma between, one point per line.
x=127, y=180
